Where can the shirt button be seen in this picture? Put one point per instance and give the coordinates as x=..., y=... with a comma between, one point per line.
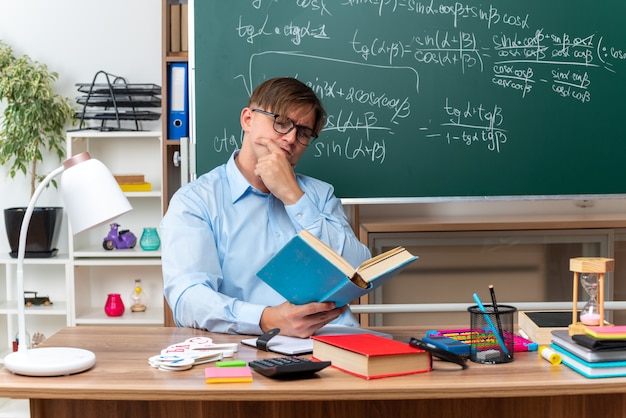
x=277, y=234
x=299, y=216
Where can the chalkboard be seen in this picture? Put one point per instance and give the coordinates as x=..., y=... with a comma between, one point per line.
x=428, y=99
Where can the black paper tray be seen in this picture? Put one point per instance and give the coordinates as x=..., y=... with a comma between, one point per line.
x=119, y=88
x=120, y=115
x=120, y=101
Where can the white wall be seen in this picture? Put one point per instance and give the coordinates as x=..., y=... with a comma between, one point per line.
x=78, y=38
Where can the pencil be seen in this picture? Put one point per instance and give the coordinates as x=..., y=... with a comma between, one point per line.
x=495, y=310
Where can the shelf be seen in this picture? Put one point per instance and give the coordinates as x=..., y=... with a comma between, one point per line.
x=130, y=135
x=57, y=308
x=96, y=272
x=92, y=256
x=96, y=316
x=177, y=57
x=60, y=258
x=153, y=193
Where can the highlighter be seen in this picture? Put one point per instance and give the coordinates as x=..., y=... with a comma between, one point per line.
x=549, y=354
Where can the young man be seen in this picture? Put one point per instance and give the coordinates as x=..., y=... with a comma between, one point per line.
x=222, y=228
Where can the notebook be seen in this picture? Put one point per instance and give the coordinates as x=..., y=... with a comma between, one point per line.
x=292, y=346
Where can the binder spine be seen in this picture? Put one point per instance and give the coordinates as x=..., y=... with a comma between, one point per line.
x=178, y=112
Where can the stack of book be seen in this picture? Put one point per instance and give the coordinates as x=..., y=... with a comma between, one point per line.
x=179, y=26
x=591, y=356
x=133, y=182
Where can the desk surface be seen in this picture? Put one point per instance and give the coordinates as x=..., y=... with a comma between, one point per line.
x=122, y=373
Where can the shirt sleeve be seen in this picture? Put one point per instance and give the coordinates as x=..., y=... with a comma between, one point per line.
x=192, y=274
x=320, y=212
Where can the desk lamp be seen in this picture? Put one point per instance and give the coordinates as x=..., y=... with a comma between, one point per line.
x=92, y=197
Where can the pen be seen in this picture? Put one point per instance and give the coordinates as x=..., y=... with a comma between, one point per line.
x=490, y=322
x=495, y=310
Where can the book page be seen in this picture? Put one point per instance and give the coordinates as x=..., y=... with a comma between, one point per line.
x=380, y=257
x=385, y=264
x=330, y=254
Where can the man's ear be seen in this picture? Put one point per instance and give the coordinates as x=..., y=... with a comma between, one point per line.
x=246, y=119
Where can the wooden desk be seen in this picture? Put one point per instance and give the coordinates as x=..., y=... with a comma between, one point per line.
x=122, y=384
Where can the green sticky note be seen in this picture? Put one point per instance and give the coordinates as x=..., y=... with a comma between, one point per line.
x=231, y=363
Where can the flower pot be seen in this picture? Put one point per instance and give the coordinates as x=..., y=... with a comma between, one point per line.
x=43, y=231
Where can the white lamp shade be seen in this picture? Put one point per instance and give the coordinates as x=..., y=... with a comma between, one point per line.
x=90, y=193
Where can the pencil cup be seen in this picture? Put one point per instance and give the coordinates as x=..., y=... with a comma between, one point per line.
x=491, y=340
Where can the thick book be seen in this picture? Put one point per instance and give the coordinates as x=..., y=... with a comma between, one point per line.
x=538, y=325
x=370, y=356
x=307, y=270
x=565, y=341
x=589, y=369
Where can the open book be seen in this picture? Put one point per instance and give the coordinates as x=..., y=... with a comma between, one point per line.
x=307, y=270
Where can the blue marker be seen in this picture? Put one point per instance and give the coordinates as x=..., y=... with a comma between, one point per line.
x=490, y=322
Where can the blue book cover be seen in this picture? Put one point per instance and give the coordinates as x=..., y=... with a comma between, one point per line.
x=307, y=270
x=591, y=369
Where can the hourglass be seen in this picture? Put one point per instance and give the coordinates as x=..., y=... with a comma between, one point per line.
x=589, y=315
x=136, y=297
x=590, y=272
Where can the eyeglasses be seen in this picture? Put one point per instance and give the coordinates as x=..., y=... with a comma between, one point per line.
x=284, y=125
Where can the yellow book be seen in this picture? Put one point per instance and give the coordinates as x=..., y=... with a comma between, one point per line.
x=136, y=187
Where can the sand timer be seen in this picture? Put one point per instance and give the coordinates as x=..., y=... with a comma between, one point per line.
x=590, y=272
x=589, y=315
x=137, y=296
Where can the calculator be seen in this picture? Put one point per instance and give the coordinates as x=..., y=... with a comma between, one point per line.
x=288, y=367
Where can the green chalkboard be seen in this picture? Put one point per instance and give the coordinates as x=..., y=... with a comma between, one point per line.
x=428, y=99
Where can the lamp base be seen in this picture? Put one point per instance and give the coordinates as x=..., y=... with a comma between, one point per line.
x=50, y=361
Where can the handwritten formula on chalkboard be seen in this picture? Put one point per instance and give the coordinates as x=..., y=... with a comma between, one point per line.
x=428, y=99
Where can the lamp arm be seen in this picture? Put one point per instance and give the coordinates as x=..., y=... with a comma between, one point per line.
x=21, y=254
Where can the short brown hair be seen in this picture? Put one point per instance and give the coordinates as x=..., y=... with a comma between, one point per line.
x=285, y=93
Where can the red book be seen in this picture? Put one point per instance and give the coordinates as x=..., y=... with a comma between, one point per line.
x=370, y=356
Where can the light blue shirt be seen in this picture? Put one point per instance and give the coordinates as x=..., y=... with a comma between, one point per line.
x=219, y=231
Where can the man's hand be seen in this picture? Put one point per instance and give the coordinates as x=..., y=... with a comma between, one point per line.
x=276, y=172
x=299, y=320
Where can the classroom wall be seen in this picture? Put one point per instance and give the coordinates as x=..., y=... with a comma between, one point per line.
x=77, y=38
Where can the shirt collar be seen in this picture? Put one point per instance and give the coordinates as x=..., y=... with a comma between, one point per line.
x=238, y=183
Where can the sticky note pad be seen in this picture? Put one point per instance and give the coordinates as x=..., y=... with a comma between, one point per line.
x=228, y=374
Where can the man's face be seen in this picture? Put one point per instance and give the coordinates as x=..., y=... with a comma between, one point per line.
x=262, y=125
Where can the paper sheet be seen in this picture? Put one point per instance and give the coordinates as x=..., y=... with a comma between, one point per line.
x=292, y=346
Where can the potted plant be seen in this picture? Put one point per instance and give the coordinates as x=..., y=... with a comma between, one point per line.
x=32, y=126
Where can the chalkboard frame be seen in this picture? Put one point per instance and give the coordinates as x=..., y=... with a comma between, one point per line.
x=616, y=189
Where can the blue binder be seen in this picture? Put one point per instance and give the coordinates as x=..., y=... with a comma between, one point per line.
x=178, y=117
